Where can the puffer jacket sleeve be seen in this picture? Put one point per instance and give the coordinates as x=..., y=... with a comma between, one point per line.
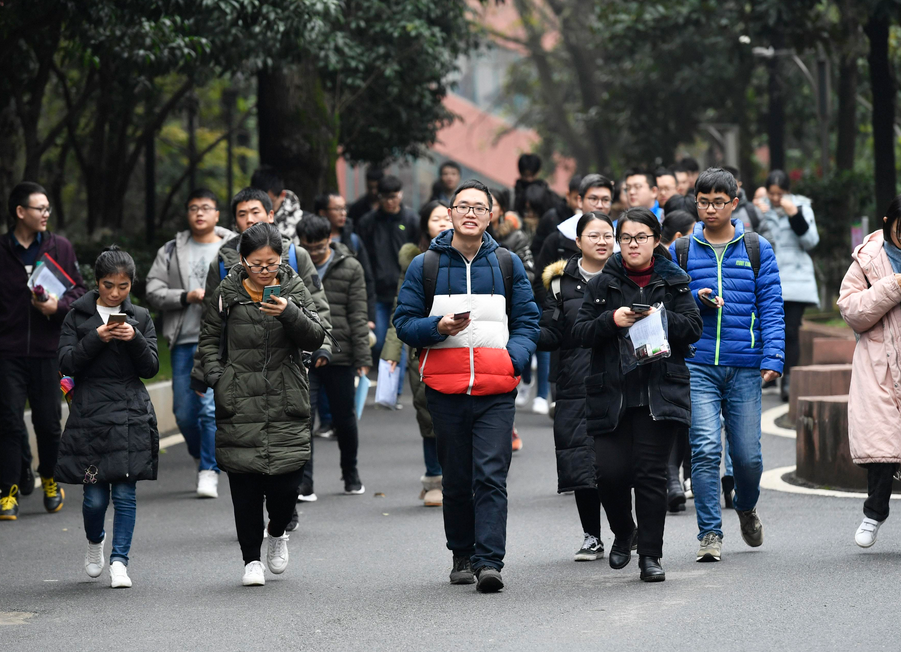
x=142, y=347
x=694, y=293
x=306, y=333
x=206, y=361
x=413, y=326
x=74, y=354
x=594, y=323
x=551, y=329
x=393, y=348
x=310, y=277
x=524, y=318
x=862, y=307
x=684, y=324
x=159, y=295
x=811, y=237
x=520, y=246
x=768, y=289
x=357, y=316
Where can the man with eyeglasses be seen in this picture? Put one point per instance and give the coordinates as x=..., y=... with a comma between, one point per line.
x=30, y=324
x=595, y=194
x=175, y=287
x=477, y=332
x=641, y=190
x=743, y=341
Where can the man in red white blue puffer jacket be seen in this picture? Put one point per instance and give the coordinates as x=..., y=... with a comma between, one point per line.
x=471, y=366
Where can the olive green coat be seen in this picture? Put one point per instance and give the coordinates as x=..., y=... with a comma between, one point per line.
x=261, y=388
x=393, y=347
x=345, y=289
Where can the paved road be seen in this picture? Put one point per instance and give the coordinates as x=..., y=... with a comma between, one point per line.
x=370, y=573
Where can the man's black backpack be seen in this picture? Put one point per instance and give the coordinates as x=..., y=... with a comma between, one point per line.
x=752, y=245
x=430, y=276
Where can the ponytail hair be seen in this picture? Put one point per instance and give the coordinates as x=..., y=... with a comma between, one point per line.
x=113, y=260
x=642, y=215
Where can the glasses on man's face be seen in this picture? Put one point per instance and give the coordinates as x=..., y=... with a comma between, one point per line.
x=597, y=200
x=462, y=210
x=315, y=249
x=718, y=204
x=259, y=269
x=193, y=209
x=594, y=238
x=43, y=210
x=626, y=239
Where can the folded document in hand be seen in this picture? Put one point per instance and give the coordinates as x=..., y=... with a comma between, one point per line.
x=49, y=275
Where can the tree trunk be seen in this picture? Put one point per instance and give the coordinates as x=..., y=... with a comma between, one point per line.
x=847, y=113
x=9, y=149
x=882, y=84
x=776, y=119
x=297, y=130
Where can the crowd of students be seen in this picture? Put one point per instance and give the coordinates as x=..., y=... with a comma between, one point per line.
x=271, y=321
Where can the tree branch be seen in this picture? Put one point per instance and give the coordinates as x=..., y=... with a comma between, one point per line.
x=73, y=109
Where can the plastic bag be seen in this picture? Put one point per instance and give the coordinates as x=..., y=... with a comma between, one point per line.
x=646, y=341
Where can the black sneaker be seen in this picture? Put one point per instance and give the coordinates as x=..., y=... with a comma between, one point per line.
x=728, y=482
x=53, y=495
x=9, y=505
x=292, y=524
x=462, y=571
x=26, y=482
x=325, y=431
x=591, y=549
x=489, y=580
x=353, y=486
x=305, y=493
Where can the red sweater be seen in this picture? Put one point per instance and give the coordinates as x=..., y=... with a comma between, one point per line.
x=641, y=277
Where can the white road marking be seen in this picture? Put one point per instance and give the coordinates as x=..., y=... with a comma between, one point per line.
x=772, y=480
x=768, y=422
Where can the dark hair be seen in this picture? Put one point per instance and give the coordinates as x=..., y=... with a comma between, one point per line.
x=635, y=172
x=202, y=193
x=424, y=213
x=733, y=171
x=893, y=223
x=778, y=178
x=688, y=164
x=450, y=164
x=681, y=203
x=19, y=197
x=664, y=172
x=251, y=194
x=676, y=222
x=502, y=195
x=590, y=181
x=314, y=228
x=323, y=200
x=642, y=215
x=529, y=163
x=588, y=218
x=390, y=184
x=575, y=181
x=477, y=185
x=260, y=235
x=375, y=174
x=717, y=180
x=267, y=179
x=113, y=260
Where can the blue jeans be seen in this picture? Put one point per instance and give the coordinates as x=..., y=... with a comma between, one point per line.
x=543, y=387
x=430, y=456
x=475, y=452
x=93, y=509
x=734, y=393
x=195, y=416
x=383, y=313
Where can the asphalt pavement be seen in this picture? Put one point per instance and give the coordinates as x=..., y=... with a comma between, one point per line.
x=371, y=572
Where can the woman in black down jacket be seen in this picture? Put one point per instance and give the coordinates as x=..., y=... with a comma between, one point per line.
x=634, y=417
x=111, y=440
x=566, y=282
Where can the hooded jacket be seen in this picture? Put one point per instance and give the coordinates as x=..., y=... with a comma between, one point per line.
x=111, y=434
x=668, y=386
x=24, y=330
x=749, y=330
x=792, y=239
x=167, y=281
x=261, y=388
x=488, y=357
x=868, y=301
x=345, y=288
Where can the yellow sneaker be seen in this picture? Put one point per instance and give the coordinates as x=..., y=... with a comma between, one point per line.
x=9, y=505
x=53, y=495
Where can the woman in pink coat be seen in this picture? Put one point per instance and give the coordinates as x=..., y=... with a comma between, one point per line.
x=869, y=303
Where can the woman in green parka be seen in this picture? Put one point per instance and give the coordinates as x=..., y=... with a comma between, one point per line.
x=433, y=219
x=251, y=356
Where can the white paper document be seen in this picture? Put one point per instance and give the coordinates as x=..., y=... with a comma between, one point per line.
x=649, y=336
x=44, y=277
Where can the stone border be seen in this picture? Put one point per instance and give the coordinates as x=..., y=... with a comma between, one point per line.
x=773, y=481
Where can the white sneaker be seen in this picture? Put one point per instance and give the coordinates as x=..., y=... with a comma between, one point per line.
x=866, y=533
x=689, y=494
x=277, y=554
x=118, y=576
x=307, y=498
x=207, y=484
x=540, y=406
x=254, y=574
x=523, y=394
x=94, y=560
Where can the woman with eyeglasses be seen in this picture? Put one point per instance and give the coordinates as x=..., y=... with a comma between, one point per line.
x=634, y=417
x=255, y=328
x=566, y=281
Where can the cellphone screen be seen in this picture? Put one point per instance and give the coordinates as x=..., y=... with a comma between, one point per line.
x=271, y=291
x=461, y=315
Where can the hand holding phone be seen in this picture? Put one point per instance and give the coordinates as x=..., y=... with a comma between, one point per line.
x=710, y=297
x=271, y=291
x=118, y=318
x=459, y=316
x=641, y=308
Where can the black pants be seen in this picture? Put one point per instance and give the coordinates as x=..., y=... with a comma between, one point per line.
x=635, y=455
x=248, y=492
x=588, y=502
x=37, y=381
x=338, y=384
x=879, y=490
x=794, y=312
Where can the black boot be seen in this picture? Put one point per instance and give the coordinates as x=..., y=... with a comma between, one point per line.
x=675, y=495
x=651, y=570
x=728, y=490
x=785, y=389
x=621, y=551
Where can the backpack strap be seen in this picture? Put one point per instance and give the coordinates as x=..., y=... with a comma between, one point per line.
x=752, y=245
x=505, y=262
x=292, y=257
x=223, y=332
x=222, y=272
x=558, y=296
x=430, y=278
x=682, y=246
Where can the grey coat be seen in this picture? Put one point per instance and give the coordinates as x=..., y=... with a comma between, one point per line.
x=799, y=282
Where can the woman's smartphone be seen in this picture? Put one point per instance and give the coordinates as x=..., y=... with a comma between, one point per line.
x=271, y=291
x=118, y=318
x=641, y=308
x=460, y=316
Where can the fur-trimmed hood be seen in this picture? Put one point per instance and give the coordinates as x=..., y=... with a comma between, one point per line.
x=508, y=223
x=551, y=272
